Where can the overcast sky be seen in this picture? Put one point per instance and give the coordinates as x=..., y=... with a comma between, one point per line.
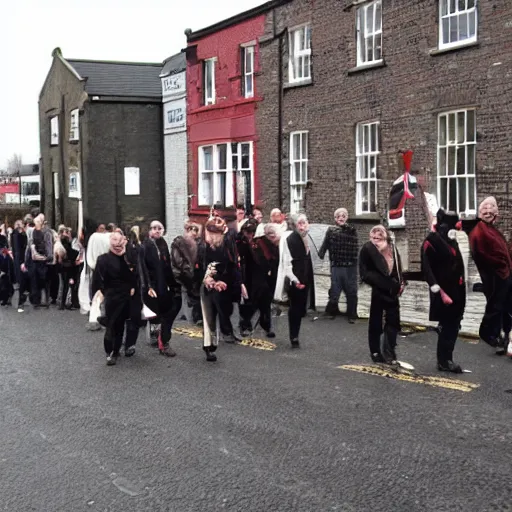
x=128, y=30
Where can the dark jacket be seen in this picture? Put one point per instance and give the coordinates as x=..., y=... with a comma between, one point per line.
x=302, y=265
x=342, y=244
x=185, y=264
x=442, y=265
x=374, y=271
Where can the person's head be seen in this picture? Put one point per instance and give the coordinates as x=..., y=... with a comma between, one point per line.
x=28, y=220
x=488, y=210
x=302, y=224
x=134, y=235
x=38, y=222
x=248, y=230
x=117, y=244
x=341, y=216
x=291, y=220
x=240, y=213
x=272, y=233
x=18, y=225
x=192, y=230
x=446, y=222
x=276, y=216
x=379, y=237
x=257, y=214
x=111, y=227
x=215, y=230
x=101, y=228
x=156, y=230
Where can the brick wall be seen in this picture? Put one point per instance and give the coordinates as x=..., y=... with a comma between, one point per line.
x=405, y=95
x=124, y=135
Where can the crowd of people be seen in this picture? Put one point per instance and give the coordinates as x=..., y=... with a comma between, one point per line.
x=126, y=281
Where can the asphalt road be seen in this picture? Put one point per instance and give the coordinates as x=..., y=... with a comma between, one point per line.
x=256, y=431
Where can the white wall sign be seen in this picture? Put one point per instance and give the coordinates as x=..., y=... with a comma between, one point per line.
x=175, y=116
x=173, y=84
x=74, y=185
x=132, y=181
x=56, y=189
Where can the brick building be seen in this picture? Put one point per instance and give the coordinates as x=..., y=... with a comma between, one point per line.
x=174, y=97
x=101, y=142
x=222, y=98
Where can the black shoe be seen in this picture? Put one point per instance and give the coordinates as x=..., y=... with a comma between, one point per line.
x=352, y=320
x=377, y=357
x=328, y=314
x=102, y=320
x=231, y=338
x=501, y=347
x=129, y=352
x=295, y=343
x=271, y=334
x=210, y=356
x=246, y=333
x=449, y=366
x=493, y=342
x=111, y=359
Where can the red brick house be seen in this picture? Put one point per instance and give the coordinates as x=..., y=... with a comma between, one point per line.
x=222, y=97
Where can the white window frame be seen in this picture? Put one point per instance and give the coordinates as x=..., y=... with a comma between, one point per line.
x=209, y=99
x=363, y=35
x=367, y=152
x=233, y=167
x=447, y=18
x=74, y=133
x=459, y=142
x=54, y=131
x=248, y=52
x=298, y=186
x=299, y=59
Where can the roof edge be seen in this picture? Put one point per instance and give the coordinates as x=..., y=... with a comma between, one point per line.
x=57, y=53
x=94, y=61
x=237, y=18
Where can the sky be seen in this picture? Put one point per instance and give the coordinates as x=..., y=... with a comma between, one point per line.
x=127, y=30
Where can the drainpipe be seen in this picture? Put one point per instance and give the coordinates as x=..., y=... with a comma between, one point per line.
x=62, y=180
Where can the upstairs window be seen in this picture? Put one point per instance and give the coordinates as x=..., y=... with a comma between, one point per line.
x=458, y=22
x=54, y=131
x=299, y=159
x=73, y=128
x=369, y=33
x=209, y=81
x=300, y=54
x=248, y=71
x=367, y=151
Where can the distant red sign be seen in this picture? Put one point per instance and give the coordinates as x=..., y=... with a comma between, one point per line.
x=10, y=188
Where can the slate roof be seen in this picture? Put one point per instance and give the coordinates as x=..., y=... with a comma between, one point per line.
x=29, y=169
x=174, y=64
x=106, y=78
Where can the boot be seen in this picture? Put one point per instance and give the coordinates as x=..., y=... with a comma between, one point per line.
x=331, y=310
x=210, y=356
x=448, y=366
x=166, y=349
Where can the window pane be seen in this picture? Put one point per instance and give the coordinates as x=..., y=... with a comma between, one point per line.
x=378, y=47
x=470, y=126
x=206, y=187
x=442, y=130
x=372, y=195
x=472, y=24
x=461, y=186
x=451, y=128
x=301, y=40
x=222, y=151
x=248, y=85
x=248, y=59
x=451, y=160
x=461, y=160
x=452, y=191
x=373, y=167
x=452, y=6
x=471, y=4
x=307, y=66
x=246, y=156
x=221, y=188
x=369, y=49
x=442, y=162
x=378, y=17
x=471, y=159
x=443, y=193
x=444, y=7
x=454, y=29
x=296, y=174
x=363, y=194
x=461, y=116
x=446, y=30
x=463, y=26
x=363, y=173
x=304, y=153
x=369, y=20
x=208, y=158
x=296, y=146
x=304, y=173
x=373, y=137
x=471, y=193
x=366, y=139
x=308, y=36
x=462, y=5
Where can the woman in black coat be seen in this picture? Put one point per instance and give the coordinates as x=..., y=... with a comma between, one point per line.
x=443, y=269
x=379, y=268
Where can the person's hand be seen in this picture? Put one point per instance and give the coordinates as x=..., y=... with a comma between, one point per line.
x=152, y=293
x=245, y=295
x=209, y=282
x=23, y=268
x=220, y=286
x=446, y=298
x=132, y=292
x=299, y=286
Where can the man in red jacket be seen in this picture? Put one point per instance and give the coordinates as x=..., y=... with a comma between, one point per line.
x=492, y=258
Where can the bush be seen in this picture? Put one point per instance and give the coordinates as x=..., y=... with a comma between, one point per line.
x=9, y=214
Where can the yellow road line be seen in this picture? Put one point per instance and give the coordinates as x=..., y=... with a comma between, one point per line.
x=440, y=382
x=195, y=332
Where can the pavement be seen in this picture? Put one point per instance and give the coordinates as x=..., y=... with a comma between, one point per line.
x=260, y=430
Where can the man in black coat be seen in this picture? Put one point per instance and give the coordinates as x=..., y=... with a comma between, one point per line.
x=443, y=268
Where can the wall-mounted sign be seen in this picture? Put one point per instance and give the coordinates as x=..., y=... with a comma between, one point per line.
x=173, y=84
x=175, y=116
x=132, y=181
x=74, y=185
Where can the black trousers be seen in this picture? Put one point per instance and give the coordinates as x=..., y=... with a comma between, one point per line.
x=448, y=331
x=297, y=310
x=262, y=303
x=68, y=274
x=384, y=318
x=113, y=339
x=218, y=304
x=498, y=293
x=38, y=281
x=167, y=316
